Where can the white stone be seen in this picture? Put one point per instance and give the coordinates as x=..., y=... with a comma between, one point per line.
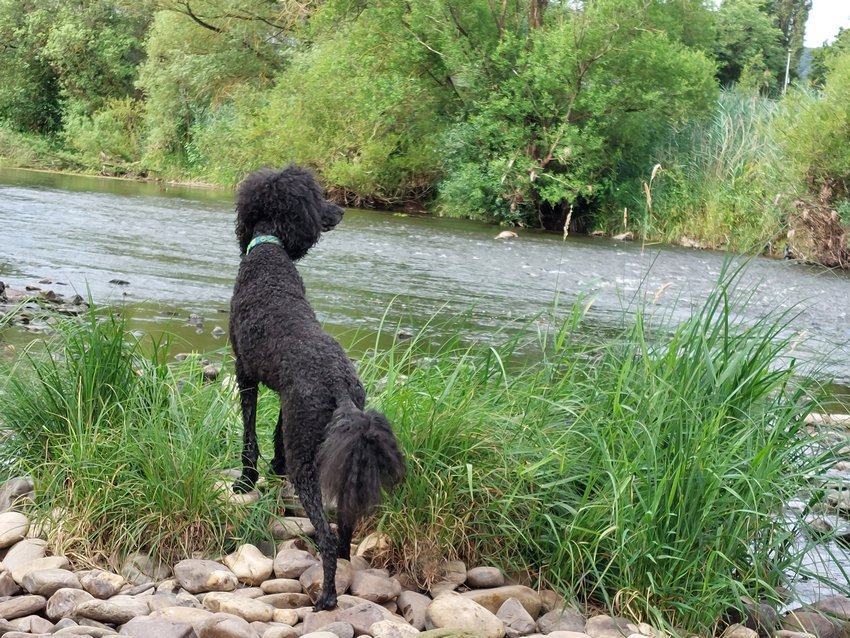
x=13, y=528
x=250, y=565
x=451, y=610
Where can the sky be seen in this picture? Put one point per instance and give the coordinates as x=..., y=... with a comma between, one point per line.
x=825, y=18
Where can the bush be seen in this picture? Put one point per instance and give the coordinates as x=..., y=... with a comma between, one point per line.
x=125, y=451
x=816, y=133
x=646, y=472
x=110, y=141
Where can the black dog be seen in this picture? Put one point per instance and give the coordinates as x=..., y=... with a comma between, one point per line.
x=323, y=440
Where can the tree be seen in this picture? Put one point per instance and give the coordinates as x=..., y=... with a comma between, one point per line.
x=822, y=56
x=29, y=91
x=790, y=17
x=57, y=58
x=748, y=40
x=201, y=53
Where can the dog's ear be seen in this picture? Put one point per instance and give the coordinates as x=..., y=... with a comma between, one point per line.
x=331, y=215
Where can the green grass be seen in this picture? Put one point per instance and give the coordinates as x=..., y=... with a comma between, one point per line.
x=644, y=471
x=124, y=449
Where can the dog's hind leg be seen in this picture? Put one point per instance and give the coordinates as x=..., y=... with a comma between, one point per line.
x=346, y=531
x=279, y=460
x=307, y=484
x=250, y=450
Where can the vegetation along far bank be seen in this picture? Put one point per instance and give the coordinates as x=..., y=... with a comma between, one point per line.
x=666, y=119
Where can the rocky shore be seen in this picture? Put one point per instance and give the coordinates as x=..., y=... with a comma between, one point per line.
x=253, y=593
x=35, y=308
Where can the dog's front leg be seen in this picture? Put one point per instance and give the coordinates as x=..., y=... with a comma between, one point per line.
x=279, y=460
x=250, y=451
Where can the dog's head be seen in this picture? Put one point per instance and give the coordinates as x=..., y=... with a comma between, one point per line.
x=288, y=204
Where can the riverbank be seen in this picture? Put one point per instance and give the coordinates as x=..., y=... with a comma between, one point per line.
x=814, y=234
x=572, y=471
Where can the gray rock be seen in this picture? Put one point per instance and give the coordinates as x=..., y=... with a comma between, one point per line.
x=517, y=621
x=25, y=552
x=484, y=577
x=493, y=598
x=13, y=528
x=102, y=584
x=48, y=562
x=22, y=606
x=285, y=616
x=281, y=631
x=188, y=615
x=412, y=606
x=374, y=586
x=392, y=629
x=453, y=571
x=316, y=620
x=286, y=600
x=448, y=633
x=250, y=565
x=603, y=626
x=551, y=600
x=451, y=610
x=147, y=627
x=739, y=631
x=814, y=622
x=139, y=568
x=33, y=624
x=82, y=631
x=291, y=563
x=362, y=616
x=838, y=606
x=63, y=603
x=225, y=626
x=313, y=578
x=46, y=582
x=8, y=586
x=117, y=610
x=199, y=575
x=319, y=634
x=567, y=619
x=338, y=629
x=163, y=600
x=291, y=527
x=247, y=608
x=281, y=586
x=15, y=490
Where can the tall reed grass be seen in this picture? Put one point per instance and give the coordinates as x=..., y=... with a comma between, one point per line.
x=726, y=180
x=646, y=471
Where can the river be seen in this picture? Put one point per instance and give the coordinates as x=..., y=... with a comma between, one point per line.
x=176, y=248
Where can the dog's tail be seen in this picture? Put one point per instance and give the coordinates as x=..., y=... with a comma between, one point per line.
x=359, y=458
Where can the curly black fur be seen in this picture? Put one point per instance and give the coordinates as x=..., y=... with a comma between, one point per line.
x=323, y=438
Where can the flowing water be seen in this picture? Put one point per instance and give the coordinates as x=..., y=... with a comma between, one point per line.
x=176, y=248
x=378, y=271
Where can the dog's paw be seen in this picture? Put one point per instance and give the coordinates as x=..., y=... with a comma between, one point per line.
x=244, y=484
x=325, y=601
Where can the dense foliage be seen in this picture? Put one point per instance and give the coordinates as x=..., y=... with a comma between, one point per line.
x=526, y=112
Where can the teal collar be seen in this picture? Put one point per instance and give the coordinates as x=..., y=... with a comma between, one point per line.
x=262, y=239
